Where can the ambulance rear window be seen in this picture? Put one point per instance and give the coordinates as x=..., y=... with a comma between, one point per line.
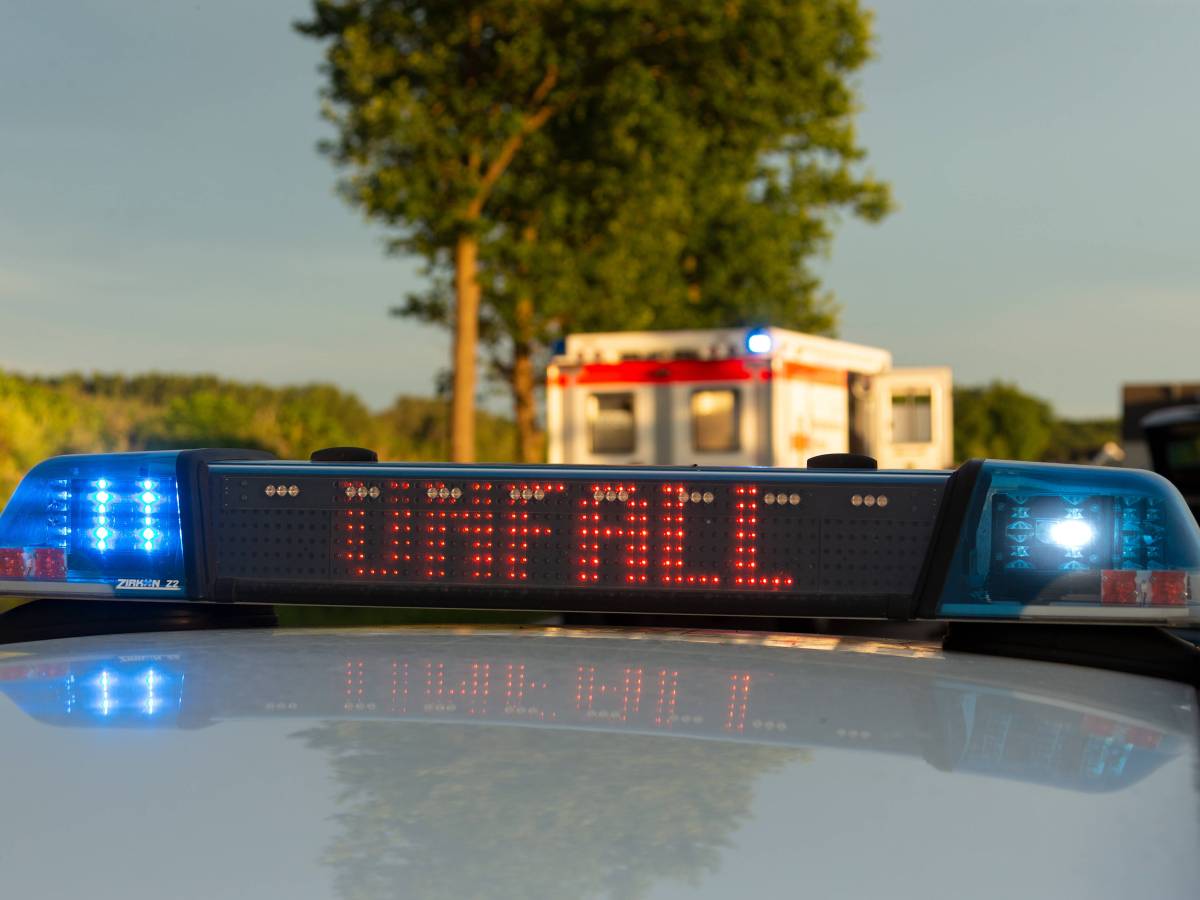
x=715, y=421
x=611, y=423
x=912, y=421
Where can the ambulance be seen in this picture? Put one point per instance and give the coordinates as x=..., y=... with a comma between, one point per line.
x=762, y=396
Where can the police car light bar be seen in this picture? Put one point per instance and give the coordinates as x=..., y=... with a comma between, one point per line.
x=990, y=540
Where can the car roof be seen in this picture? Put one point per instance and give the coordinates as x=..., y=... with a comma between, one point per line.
x=530, y=762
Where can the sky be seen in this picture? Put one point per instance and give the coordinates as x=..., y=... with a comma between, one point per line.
x=163, y=205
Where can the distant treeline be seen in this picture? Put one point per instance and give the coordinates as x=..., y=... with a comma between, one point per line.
x=1000, y=421
x=41, y=417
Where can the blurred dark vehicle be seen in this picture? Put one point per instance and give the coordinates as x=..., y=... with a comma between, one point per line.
x=1173, y=436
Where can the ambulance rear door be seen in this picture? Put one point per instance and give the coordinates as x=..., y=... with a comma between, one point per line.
x=913, y=419
x=608, y=422
x=811, y=415
x=716, y=421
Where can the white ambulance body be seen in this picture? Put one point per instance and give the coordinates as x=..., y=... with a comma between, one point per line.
x=767, y=397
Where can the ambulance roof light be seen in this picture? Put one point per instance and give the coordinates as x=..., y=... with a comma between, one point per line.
x=759, y=341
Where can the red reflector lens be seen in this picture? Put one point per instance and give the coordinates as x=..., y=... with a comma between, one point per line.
x=49, y=562
x=1168, y=588
x=1095, y=725
x=12, y=563
x=1143, y=737
x=1118, y=587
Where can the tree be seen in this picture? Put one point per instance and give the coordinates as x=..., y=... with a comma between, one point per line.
x=1001, y=422
x=432, y=103
x=544, y=813
x=1080, y=440
x=598, y=164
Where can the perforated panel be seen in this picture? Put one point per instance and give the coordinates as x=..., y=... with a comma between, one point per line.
x=849, y=564
x=631, y=532
x=284, y=538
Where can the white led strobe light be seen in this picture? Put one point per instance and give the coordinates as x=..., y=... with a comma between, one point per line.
x=1072, y=534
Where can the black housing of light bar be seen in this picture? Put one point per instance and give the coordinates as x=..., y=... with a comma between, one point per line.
x=992, y=539
x=701, y=541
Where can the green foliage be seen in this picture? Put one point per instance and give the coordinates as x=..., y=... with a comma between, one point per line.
x=431, y=100
x=1080, y=440
x=691, y=187
x=42, y=417
x=1000, y=421
x=416, y=428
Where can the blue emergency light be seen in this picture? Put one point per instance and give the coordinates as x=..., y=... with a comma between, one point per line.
x=759, y=341
x=990, y=540
x=76, y=520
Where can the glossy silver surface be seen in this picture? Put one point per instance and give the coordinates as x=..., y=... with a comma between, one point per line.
x=552, y=763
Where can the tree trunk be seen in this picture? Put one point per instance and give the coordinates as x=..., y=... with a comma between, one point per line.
x=523, y=384
x=466, y=343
